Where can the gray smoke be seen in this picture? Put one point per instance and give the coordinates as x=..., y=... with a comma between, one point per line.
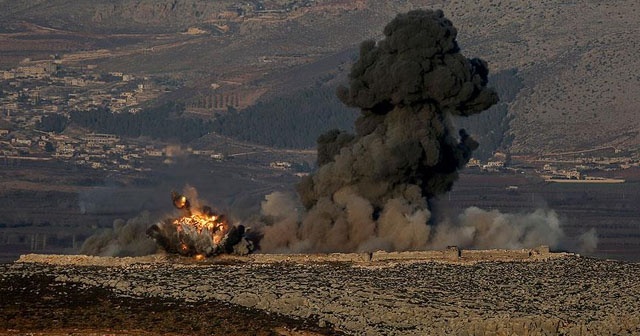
x=402, y=226
x=477, y=228
x=407, y=86
x=587, y=241
x=372, y=189
x=126, y=238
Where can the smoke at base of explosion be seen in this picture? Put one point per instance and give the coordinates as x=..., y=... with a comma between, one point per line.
x=372, y=189
x=198, y=232
x=474, y=228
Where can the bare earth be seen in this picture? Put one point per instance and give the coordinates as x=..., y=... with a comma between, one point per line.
x=560, y=294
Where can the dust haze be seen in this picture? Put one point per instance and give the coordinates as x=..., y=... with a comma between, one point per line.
x=126, y=238
x=372, y=190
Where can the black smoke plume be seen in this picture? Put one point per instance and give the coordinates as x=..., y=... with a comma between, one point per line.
x=407, y=86
x=374, y=187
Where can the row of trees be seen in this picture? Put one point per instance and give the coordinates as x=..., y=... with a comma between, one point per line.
x=297, y=119
x=294, y=120
x=53, y=123
x=164, y=122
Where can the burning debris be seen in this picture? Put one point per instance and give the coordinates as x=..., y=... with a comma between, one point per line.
x=199, y=232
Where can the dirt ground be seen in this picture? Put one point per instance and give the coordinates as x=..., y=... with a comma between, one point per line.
x=39, y=306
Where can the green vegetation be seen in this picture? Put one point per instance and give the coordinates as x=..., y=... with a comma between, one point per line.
x=289, y=121
x=296, y=120
x=163, y=122
x=293, y=120
x=53, y=123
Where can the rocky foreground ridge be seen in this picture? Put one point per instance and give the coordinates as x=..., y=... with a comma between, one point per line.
x=454, y=292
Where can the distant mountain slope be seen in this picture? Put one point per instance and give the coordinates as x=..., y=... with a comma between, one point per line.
x=105, y=16
x=576, y=59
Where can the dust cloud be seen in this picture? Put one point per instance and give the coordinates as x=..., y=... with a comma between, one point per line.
x=126, y=238
x=372, y=190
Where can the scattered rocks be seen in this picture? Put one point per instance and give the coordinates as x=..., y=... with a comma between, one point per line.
x=569, y=295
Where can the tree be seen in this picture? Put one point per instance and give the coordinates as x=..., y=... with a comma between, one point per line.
x=53, y=123
x=293, y=120
x=161, y=122
x=49, y=147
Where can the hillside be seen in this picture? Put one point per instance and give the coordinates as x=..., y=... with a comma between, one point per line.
x=576, y=59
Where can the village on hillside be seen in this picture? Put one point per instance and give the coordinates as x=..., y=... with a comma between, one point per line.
x=36, y=100
x=35, y=105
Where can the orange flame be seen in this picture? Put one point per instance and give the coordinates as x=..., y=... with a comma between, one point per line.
x=216, y=226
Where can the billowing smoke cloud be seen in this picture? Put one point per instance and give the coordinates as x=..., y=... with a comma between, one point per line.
x=407, y=86
x=401, y=227
x=126, y=238
x=479, y=228
x=587, y=241
x=372, y=189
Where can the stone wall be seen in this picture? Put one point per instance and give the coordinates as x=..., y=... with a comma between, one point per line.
x=451, y=254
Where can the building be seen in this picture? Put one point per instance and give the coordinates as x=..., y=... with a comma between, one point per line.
x=280, y=165
x=100, y=139
x=39, y=70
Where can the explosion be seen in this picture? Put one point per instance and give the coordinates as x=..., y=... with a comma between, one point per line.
x=372, y=189
x=199, y=232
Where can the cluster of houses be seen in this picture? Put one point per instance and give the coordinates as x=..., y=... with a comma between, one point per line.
x=39, y=87
x=497, y=163
x=97, y=151
x=560, y=168
x=36, y=89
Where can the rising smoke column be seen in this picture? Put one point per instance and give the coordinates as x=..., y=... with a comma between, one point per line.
x=372, y=189
x=407, y=87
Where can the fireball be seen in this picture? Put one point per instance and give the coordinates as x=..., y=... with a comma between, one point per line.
x=199, y=233
x=203, y=229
